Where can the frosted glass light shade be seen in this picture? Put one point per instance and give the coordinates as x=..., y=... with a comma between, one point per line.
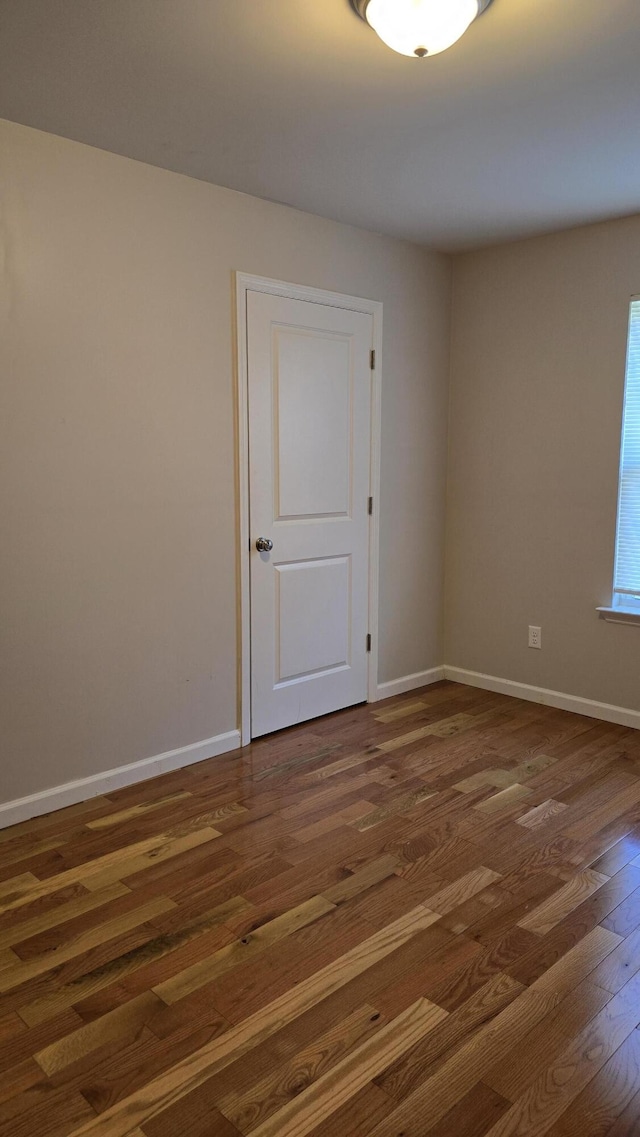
x=421, y=27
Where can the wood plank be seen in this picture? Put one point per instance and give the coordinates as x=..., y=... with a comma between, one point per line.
x=21, y=1047
x=606, y=1097
x=537, y=816
x=352, y=1074
x=195, y=1116
x=249, y=1108
x=104, y=870
x=400, y=712
x=546, y=1041
x=596, y=819
x=620, y=965
x=504, y=799
x=373, y=873
x=22, y=972
x=441, y=1091
x=24, y=1076
x=118, y=1025
x=350, y=814
x=16, y=885
x=626, y=1124
x=135, y=811
x=193, y=941
x=472, y=1116
x=128, y=867
x=578, y=963
x=401, y=1078
x=442, y=729
x=398, y=805
x=625, y=918
x=559, y=1085
x=241, y=951
x=21, y=930
x=53, y=1114
x=309, y=801
x=230, y=1047
x=451, y=897
x=12, y=855
x=61, y=820
x=501, y=779
x=545, y=917
x=620, y=854
x=358, y=1115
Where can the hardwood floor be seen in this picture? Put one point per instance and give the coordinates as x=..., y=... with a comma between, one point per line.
x=417, y=917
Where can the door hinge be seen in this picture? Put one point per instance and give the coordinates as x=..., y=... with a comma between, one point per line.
x=372, y=359
x=370, y=506
x=369, y=641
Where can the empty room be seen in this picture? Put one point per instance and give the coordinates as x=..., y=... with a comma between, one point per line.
x=320, y=568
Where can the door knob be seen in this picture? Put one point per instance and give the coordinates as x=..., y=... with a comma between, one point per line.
x=264, y=545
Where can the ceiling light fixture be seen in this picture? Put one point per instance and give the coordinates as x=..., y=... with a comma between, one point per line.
x=419, y=27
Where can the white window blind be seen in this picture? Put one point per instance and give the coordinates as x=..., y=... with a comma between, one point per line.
x=627, y=571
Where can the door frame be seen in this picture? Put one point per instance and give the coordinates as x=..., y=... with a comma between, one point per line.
x=244, y=283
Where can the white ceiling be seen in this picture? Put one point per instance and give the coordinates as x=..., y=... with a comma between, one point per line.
x=530, y=123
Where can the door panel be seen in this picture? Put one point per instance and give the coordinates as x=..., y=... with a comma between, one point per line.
x=309, y=476
x=313, y=617
x=313, y=391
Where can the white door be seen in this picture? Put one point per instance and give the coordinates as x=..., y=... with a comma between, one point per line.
x=309, y=476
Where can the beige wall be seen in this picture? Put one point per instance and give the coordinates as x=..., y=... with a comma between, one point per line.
x=538, y=360
x=118, y=511
x=118, y=519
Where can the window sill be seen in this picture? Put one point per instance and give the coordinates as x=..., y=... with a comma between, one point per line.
x=620, y=615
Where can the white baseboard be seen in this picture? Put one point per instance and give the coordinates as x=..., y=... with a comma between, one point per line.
x=622, y=716
x=21, y=809
x=11, y=812
x=409, y=683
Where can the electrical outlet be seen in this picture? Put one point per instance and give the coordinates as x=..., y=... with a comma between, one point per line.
x=535, y=636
